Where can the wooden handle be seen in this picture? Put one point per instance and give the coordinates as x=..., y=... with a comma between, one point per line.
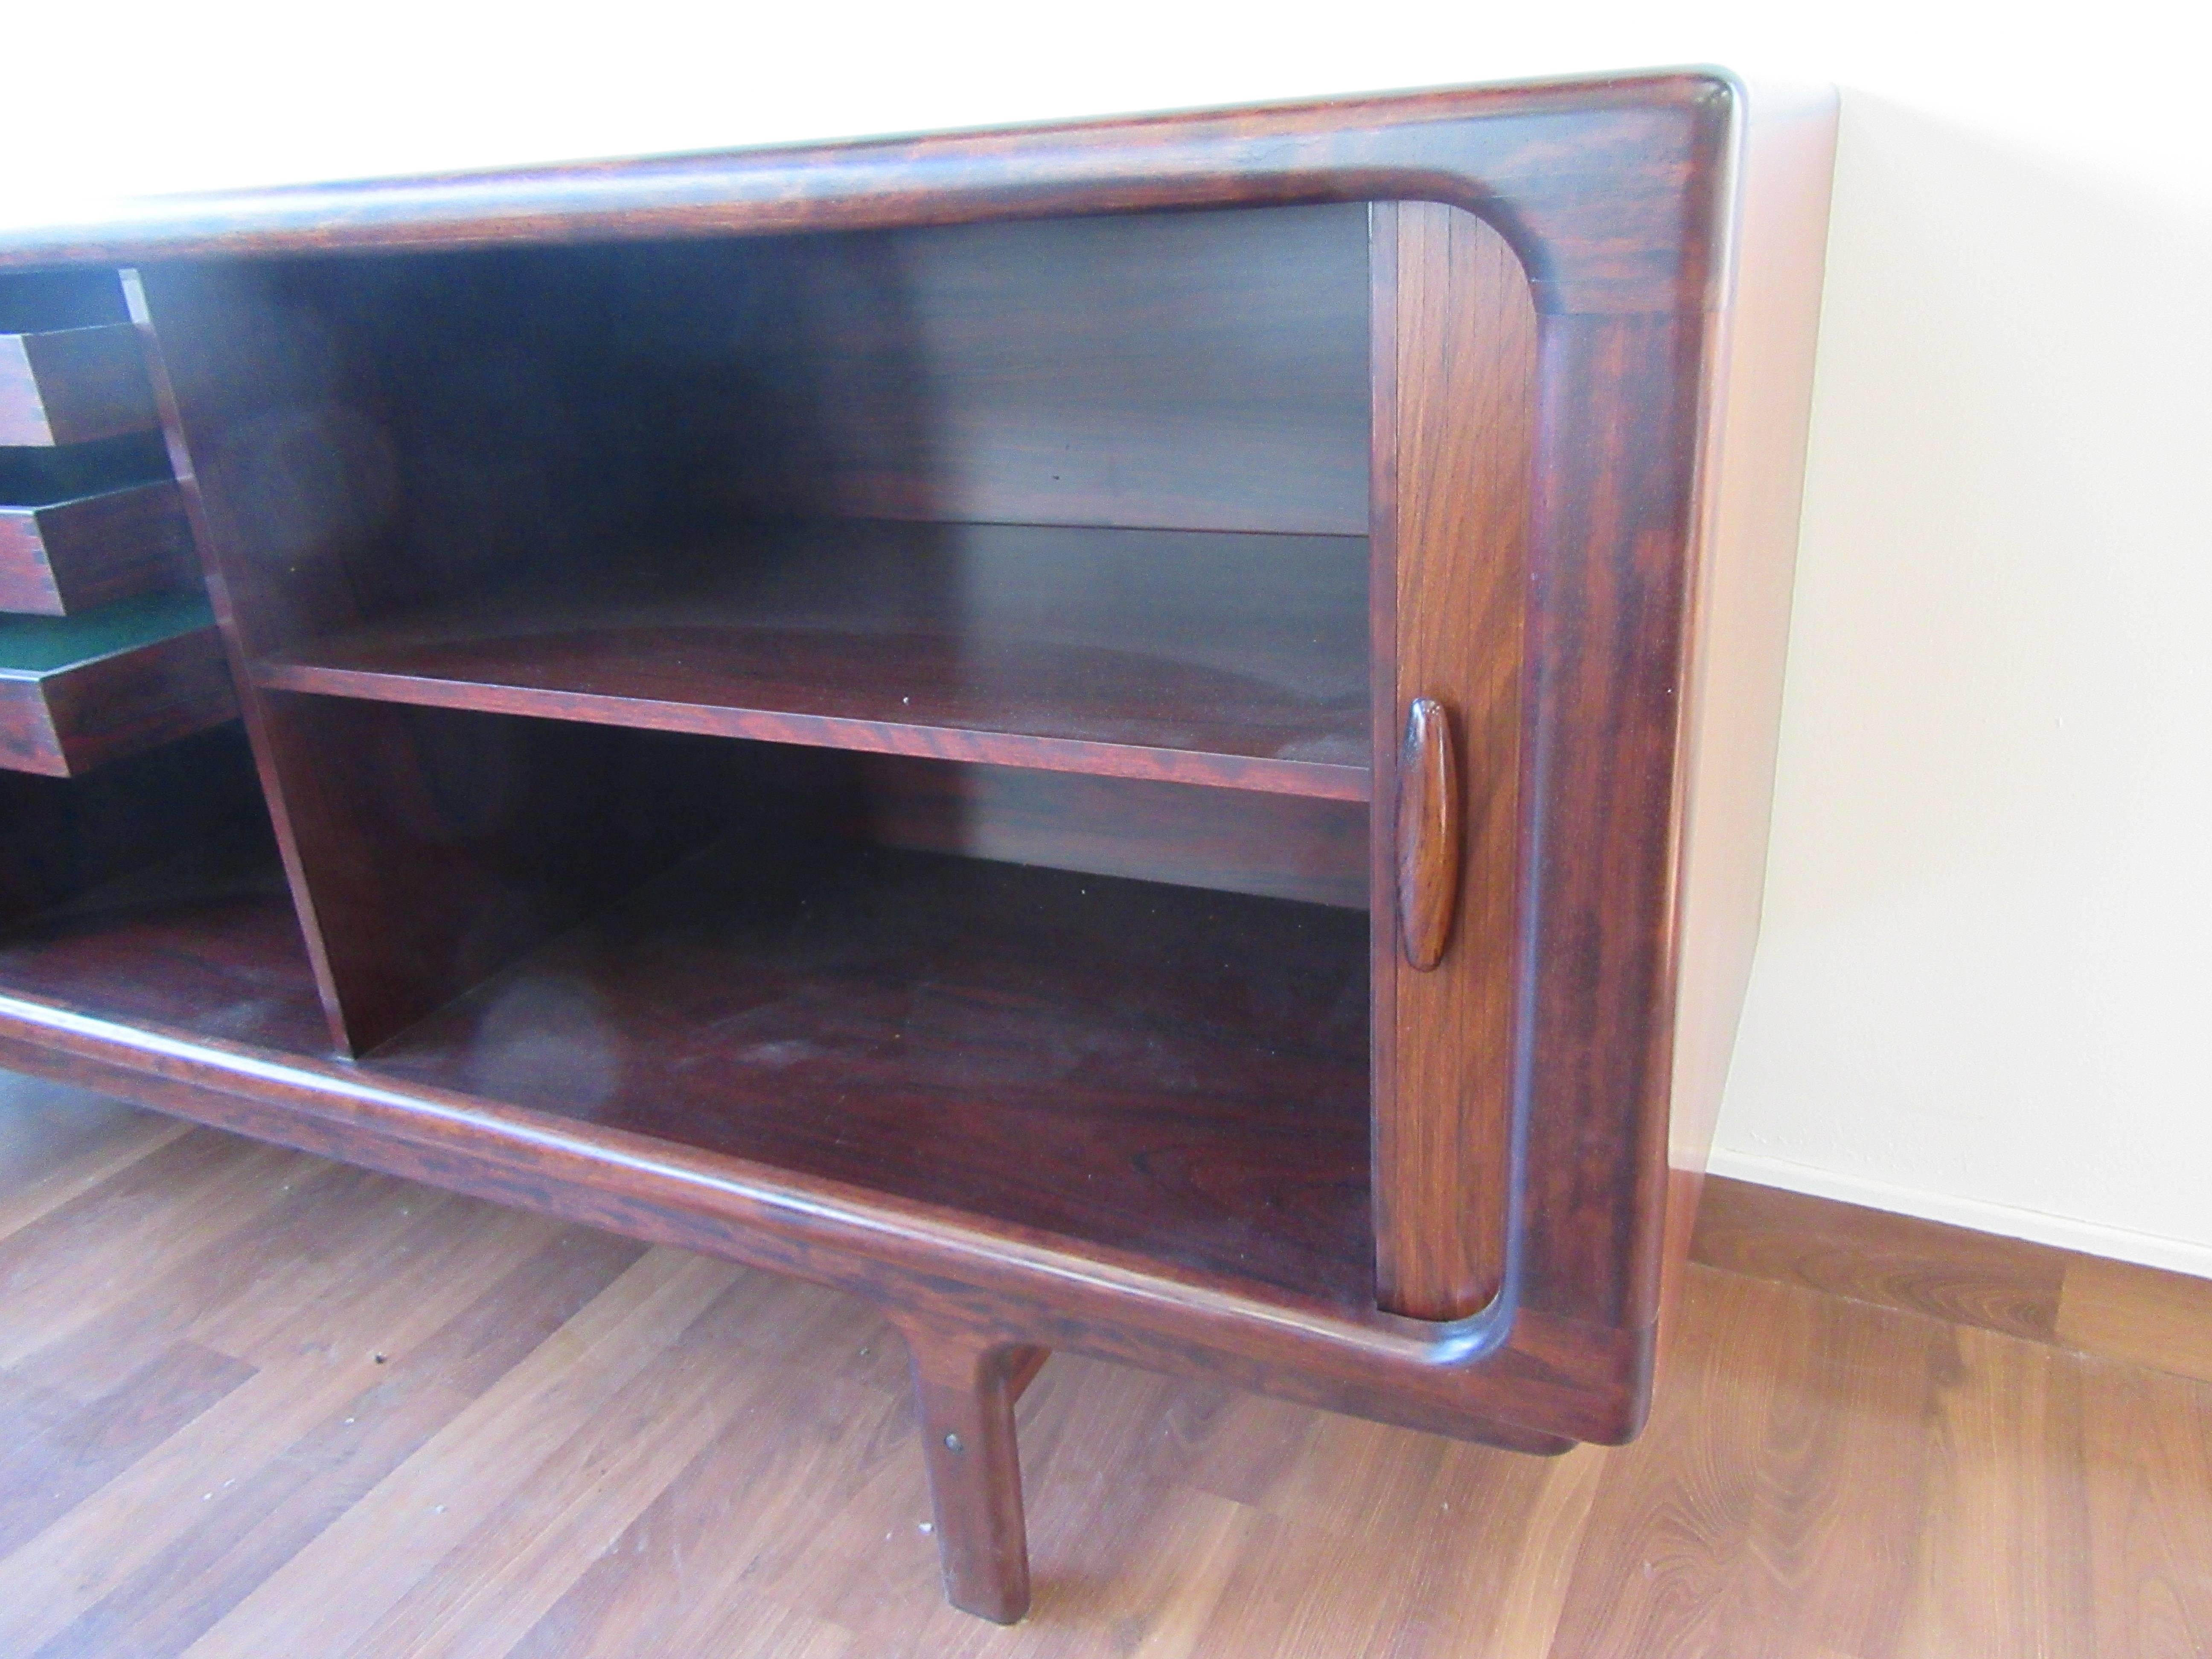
x=1428, y=834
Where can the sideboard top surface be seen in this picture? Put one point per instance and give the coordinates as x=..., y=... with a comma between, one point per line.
x=1604, y=185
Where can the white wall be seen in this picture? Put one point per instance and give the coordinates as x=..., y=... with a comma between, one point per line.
x=1982, y=993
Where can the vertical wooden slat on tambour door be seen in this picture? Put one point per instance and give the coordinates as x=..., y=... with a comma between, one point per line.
x=1455, y=357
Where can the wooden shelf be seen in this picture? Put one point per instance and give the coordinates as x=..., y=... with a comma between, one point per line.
x=203, y=942
x=85, y=525
x=77, y=691
x=1149, y=1067
x=1236, y=660
x=1112, y=1061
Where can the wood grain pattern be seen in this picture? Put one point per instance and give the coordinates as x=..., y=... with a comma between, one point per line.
x=2143, y=1316
x=2010, y=1415
x=961, y=1264
x=70, y=718
x=1230, y=660
x=1428, y=834
x=61, y=1143
x=313, y=405
x=672, y=395
x=1603, y=176
x=86, y=524
x=436, y=847
x=1269, y=845
x=1601, y=730
x=2161, y=1320
x=252, y=451
x=73, y=386
x=894, y=1021
x=1455, y=359
x=68, y=556
x=1179, y=371
x=1782, y=1493
x=1895, y=1261
x=197, y=939
x=964, y=1406
x=577, y=1450
x=2147, y=1447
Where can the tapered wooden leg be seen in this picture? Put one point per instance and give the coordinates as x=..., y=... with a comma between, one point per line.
x=964, y=1393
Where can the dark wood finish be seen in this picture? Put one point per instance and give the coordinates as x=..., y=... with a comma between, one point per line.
x=890, y=1026
x=1234, y=661
x=202, y=942
x=425, y=848
x=1613, y=187
x=1108, y=1301
x=73, y=386
x=334, y=434
x=78, y=692
x=1272, y=845
x=1613, y=515
x=300, y=592
x=1455, y=361
x=547, y=384
x=60, y=838
x=1177, y=371
x=1103, y=1303
x=1429, y=832
x=149, y=893
x=964, y=1403
x=68, y=556
x=87, y=524
x=894, y=1021
x=653, y=401
x=437, y=847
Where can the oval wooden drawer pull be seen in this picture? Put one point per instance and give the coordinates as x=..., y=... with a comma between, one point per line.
x=1428, y=834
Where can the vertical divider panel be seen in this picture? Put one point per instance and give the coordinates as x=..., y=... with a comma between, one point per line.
x=425, y=848
x=1454, y=365
x=206, y=320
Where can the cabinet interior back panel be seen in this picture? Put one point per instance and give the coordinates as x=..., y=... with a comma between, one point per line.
x=535, y=410
x=1198, y=371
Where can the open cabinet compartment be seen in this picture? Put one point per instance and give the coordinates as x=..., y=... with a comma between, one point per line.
x=1150, y=738
x=149, y=892
x=1172, y=1072
x=938, y=659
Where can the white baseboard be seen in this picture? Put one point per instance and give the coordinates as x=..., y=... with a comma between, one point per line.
x=2174, y=1254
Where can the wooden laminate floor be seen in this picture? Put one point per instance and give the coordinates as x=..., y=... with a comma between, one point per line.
x=257, y=1403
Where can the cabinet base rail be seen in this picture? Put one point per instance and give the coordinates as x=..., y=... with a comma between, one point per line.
x=981, y=1305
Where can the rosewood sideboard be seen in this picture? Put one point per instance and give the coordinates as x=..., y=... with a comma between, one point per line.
x=1150, y=737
